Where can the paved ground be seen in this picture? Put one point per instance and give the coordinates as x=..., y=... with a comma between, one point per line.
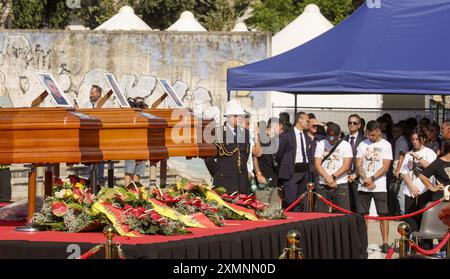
x=375, y=240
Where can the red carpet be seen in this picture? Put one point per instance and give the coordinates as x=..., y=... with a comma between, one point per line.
x=2, y=204
x=8, y=232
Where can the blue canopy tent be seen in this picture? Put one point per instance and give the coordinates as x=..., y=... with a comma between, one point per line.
x=402, y=47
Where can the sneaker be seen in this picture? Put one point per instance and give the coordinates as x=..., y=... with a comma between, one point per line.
x=385, y=248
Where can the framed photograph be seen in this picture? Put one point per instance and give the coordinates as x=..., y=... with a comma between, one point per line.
x=116, y=90
x=53, y=89
x=170, y=92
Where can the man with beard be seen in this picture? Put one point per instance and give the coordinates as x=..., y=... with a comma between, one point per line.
x=95, y=95
x=374, y=156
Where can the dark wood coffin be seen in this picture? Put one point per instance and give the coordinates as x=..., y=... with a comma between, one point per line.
x=130, y=134
x=184, y=133
x=48, y=135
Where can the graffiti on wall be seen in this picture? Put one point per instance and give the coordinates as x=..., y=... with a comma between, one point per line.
x=79, y=60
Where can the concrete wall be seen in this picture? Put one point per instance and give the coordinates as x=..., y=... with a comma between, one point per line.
x=195, y=63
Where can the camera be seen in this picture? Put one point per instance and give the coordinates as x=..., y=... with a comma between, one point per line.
x=137, y=102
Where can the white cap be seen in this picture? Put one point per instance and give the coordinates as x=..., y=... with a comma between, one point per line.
x=233, y=107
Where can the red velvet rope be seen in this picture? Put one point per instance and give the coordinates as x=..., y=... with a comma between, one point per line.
x=432, y=251
x=406, y=215
x=390, y=253
x=381, y=218
x=90, y=253
x=334, y=205
x=295, y=203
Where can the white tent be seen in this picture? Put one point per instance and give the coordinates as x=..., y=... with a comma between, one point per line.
x=310, y=24
x=125, y=19
x=186, y=22
x=240, y=27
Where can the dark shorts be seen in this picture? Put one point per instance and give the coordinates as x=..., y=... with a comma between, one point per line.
x=380, y=199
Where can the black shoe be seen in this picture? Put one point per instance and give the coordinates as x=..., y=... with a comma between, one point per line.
x=385, y=248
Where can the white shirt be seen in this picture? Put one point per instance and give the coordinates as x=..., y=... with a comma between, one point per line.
x=372, y=155
x=250, y=156
x=335, y=160
x=88, y=104
x=407, y=168
x=298, y=154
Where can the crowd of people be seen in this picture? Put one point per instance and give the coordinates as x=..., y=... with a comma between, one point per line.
x=400, y=166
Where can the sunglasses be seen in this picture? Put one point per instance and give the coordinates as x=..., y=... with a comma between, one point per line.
x=353, y=123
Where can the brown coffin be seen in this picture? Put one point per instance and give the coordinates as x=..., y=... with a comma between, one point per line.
x=48, y=135
x=130, y=134
x=184, y=133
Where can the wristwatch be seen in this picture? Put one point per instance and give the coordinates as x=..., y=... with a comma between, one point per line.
x=372, y=178
x=334, y=177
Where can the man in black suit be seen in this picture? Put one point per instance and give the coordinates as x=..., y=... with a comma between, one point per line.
x=229, y=168
x=293, y=158
x=355, y=137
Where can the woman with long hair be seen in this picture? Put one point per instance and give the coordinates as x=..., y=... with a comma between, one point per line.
x=417, y=195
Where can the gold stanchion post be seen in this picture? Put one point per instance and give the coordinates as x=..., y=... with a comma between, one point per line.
x=294, y=250
x=109, y=233
x=310, y=194
x=403, y=230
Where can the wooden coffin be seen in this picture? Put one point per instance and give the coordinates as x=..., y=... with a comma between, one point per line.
x=184, y=133
x=48, y=135
x=130, y=134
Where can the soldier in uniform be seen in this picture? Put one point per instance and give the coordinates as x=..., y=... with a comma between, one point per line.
x=229, y=168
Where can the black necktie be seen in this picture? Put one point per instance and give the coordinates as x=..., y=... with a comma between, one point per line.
x=352, y=143
x=303, y=147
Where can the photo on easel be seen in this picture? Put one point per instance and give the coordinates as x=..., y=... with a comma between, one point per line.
x=116, y=90
x=170, y=92
x=53, y=89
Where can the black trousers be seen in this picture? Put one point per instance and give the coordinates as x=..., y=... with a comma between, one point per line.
x=5, y=185
x=412, y=205
x=353, y=196
x=293, y=189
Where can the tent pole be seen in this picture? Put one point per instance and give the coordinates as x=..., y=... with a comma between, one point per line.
x=295, y=109
x=228, y=95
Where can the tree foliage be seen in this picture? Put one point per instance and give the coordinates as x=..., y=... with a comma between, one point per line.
x=215, y=15
x=28, y=14
x=273, y=15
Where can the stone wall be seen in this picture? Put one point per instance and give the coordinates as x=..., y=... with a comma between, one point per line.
x=195, y=64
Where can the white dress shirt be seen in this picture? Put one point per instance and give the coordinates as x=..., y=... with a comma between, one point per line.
x=298, y=154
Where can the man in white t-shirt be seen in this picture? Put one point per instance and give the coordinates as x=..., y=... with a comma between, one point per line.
x=332, y=160
x=373, y=159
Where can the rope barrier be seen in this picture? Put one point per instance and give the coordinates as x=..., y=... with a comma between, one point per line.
x=432, y=251
x=390, y=253
x=337, y=207
x=343, y=210
x=289, y=208
x=406, y=215
x=91, y=252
